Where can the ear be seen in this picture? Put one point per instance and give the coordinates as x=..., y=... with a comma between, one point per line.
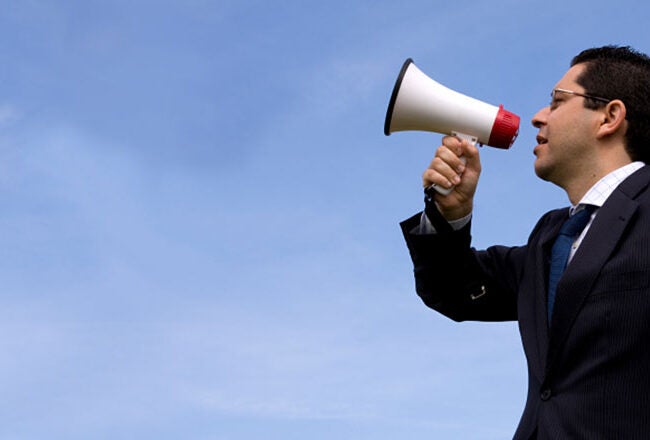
x=613, y=119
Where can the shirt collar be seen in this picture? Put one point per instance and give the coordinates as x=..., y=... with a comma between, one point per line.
x=598, y=194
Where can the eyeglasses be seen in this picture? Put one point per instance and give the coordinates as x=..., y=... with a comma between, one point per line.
x=584, y=95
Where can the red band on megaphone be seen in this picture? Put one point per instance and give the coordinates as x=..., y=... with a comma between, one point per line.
x=505, y=129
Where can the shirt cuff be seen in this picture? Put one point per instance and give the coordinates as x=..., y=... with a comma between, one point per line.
x=426, y=227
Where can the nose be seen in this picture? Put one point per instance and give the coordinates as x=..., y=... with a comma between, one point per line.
x=540, y=117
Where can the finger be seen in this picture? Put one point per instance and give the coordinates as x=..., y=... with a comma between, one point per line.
x=454, y=143
x=446, y=168
x=441, y=173
x=452, y=157
x=432, y=178
x=448, y=163
x=471, y=154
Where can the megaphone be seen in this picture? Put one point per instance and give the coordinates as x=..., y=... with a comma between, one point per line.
x=420, y=103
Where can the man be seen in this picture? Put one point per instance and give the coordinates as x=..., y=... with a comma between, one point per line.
x=587, y=336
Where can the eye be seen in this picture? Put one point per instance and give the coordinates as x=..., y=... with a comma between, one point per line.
x=555, y=102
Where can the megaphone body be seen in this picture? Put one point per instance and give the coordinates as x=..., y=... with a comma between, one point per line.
x=420, y=103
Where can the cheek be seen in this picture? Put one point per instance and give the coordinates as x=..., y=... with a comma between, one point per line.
x=561, y=130
x=555, y=119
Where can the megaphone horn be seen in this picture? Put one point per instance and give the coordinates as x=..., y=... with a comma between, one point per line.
x=420, y=103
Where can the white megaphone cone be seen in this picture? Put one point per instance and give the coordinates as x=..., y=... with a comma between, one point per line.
x=420, y=103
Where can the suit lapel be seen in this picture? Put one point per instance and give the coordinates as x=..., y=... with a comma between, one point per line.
x=601, y=239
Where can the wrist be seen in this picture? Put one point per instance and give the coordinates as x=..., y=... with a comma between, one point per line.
x=455, y=213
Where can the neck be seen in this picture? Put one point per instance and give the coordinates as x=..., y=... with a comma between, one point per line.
x=578, y=187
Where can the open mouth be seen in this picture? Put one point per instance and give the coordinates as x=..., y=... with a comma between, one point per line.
x=541, y=140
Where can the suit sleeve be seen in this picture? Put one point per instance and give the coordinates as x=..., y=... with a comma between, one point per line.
x=461, y=282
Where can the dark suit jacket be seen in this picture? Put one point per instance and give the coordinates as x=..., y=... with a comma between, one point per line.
x=589, y=372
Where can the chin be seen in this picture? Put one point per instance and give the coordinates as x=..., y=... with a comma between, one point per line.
x=543, y=172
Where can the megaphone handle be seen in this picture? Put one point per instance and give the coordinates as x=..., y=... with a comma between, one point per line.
x=473, y=140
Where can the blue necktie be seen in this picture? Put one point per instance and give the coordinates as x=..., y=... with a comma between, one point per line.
x=561, y=249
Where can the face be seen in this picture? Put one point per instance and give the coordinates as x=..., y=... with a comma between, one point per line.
x=565, y=138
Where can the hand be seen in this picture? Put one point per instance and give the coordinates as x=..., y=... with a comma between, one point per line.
x=447, y=170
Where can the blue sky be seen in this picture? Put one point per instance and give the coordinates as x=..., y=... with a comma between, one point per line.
x=200, y=214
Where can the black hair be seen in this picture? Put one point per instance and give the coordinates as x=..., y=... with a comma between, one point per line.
x=620, y=72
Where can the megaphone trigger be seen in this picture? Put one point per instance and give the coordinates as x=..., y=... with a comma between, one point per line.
x=468, y=137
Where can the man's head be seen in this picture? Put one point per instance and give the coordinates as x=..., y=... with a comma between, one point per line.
x=614, y=72
x=598, y=119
